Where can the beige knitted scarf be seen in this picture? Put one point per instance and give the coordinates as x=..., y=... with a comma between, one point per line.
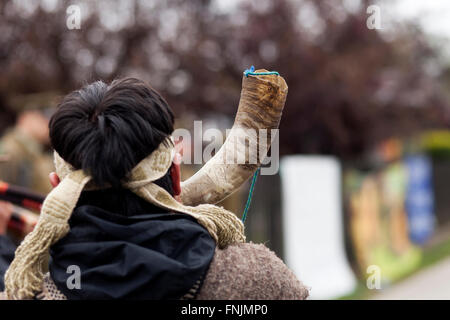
x=25, y=275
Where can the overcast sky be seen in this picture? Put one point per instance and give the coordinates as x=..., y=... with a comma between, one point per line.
x=433, y=15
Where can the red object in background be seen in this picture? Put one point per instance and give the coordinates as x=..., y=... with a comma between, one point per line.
x=21, y=196
x=21, y=221
x=3, y=187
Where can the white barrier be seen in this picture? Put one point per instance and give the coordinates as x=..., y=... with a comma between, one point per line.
x=313, y=225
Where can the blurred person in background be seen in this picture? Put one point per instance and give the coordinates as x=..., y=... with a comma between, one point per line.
x=24, y=161
x=25, y=147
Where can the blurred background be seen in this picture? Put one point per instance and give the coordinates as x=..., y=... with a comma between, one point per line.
x=360, y=207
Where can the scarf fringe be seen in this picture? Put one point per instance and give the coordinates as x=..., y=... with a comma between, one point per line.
x=25, y=275
x=222, y=225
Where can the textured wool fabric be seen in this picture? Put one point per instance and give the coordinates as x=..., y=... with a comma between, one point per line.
x=249, y=271
x=49, y=290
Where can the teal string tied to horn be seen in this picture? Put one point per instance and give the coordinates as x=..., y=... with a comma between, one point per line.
x=247, y=72
x=251, y=71
x=250, y=195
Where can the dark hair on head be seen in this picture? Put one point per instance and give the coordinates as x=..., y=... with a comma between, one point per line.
x=106, y=130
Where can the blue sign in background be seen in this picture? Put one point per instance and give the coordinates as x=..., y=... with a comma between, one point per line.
x=419, y=200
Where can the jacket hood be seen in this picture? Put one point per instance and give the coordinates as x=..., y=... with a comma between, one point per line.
x=148, y=256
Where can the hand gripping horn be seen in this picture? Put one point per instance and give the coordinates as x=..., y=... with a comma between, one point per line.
x=261, y=104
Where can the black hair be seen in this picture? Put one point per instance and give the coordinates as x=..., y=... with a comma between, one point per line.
x=106, y=130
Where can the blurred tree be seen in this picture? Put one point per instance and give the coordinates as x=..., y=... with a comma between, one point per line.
x=349, y=86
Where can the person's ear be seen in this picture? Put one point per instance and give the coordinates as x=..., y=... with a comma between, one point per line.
x=54, y=179
x=176, y=175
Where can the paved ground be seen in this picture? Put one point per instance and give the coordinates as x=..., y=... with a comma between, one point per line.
x=430, y=283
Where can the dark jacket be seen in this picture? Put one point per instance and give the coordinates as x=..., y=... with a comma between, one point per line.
x=7, y=248
x=146, y=256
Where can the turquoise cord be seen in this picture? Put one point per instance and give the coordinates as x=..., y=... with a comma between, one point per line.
x=251, y=71
x=250, y=194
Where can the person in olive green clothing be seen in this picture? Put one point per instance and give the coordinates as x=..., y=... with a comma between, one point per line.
x=24, y=149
